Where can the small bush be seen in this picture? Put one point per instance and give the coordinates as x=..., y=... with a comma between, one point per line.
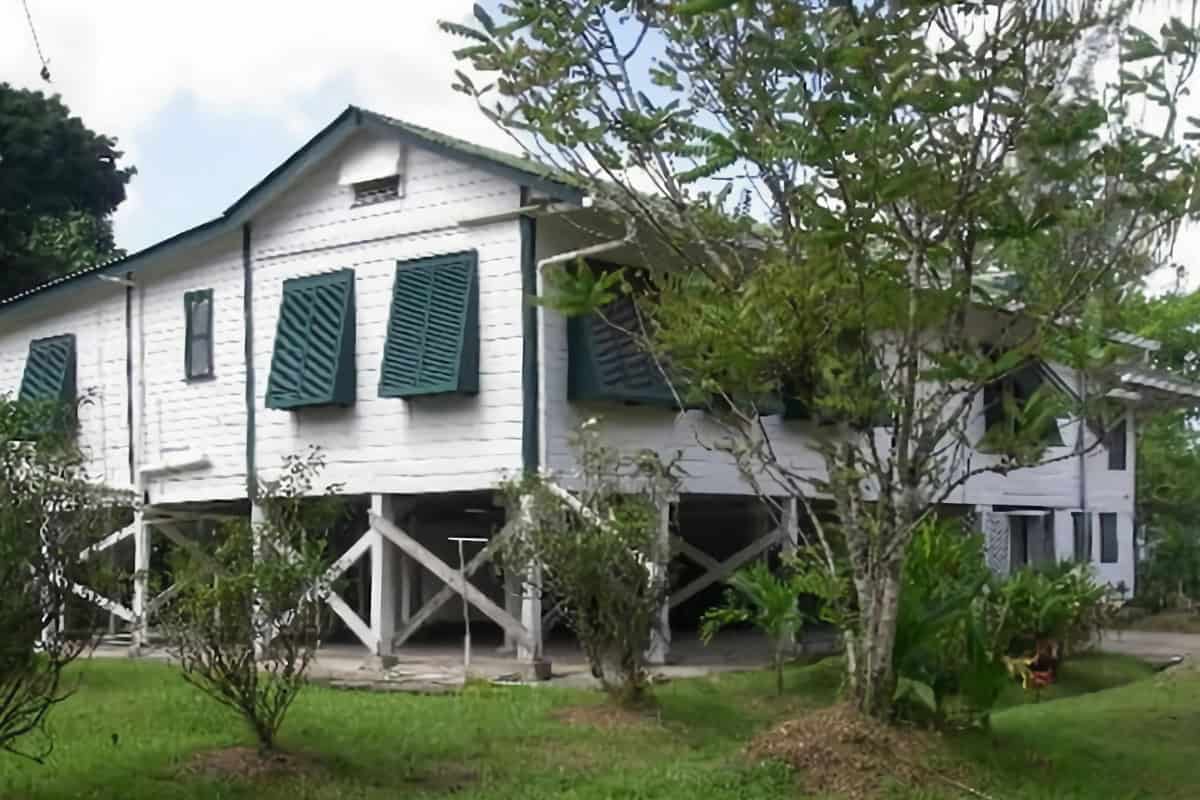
x=598, y=552
x=247, y=619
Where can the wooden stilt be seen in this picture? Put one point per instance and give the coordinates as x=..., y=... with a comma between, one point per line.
x=384, y=575
x=141, y=578
x=660, y=639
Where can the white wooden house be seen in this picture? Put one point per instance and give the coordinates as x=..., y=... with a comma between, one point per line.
x=369, y=297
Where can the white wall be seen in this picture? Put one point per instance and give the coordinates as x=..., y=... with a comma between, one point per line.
x=390, y=445
x=95, y=313
x=206, y=417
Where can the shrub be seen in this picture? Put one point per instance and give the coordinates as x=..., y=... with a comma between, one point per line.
x=49, y=513
x=766, y=600
x=246, y=622
x=598, y=552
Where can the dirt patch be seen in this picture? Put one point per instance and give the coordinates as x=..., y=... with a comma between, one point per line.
x=246, y=763
x=839, y=752
x=604, y=716
x=445, y=778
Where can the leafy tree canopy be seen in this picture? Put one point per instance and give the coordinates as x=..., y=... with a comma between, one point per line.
x=59, y=184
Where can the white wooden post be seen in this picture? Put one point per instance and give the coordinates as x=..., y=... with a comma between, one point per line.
x=513, y=605
x=384, y=573
x=660, y=638
x=531, y=610
x=408, y=580
x=141, y=577
x=789, y=526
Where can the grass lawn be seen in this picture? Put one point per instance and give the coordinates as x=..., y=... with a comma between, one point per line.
x=133, y=726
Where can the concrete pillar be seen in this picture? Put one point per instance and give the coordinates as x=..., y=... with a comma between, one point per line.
x=384, y=574
x=141, y=578
x=660, y=639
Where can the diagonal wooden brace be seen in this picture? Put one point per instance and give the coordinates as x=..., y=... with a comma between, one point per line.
x=727, y=568
x=453, y=582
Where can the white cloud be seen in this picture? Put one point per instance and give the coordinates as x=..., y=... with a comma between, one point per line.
x=119, y=63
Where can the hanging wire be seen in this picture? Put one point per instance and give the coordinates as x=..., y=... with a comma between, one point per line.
x=45, y=72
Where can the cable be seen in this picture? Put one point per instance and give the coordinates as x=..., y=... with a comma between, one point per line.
x=45, y=72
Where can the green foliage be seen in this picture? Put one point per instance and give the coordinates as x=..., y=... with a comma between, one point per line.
x=50, y=512
x=247, y=618
x=599, y=553
x=847, y=200
x=769, y=602
x=59, y=184
x=1064, y=605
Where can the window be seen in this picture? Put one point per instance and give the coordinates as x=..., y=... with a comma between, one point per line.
x=1081, y=523
x=377, y=190
x=606, y=363
x=198, y=355
x=313, y=359
x=1109, y=550
x=432, y=342
x=1115, y=442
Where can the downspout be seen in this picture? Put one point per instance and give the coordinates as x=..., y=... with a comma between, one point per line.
x=530, y=343
x=248, y=338
x=1081, y=450
x=129, y=378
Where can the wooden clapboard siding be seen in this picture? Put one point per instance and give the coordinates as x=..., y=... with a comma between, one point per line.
x=423, y=444
x=95, y=315
x=202, y=417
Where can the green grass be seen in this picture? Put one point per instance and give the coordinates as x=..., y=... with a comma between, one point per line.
x=507, y=743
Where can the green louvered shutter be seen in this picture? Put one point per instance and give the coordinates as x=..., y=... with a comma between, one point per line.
x=605, y=363
x=313, y=360
x=50, y=371
x=433, y=330
x=48, y=386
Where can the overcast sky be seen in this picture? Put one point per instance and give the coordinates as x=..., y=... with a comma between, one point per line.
x=207, y=98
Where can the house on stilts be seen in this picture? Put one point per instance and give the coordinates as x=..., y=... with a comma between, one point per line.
x=369, y=297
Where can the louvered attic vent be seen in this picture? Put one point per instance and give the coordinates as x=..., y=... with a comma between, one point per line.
x=313, y=361
x=605, y=363
x=433, y=331
x=49, y=383
x=378, y=190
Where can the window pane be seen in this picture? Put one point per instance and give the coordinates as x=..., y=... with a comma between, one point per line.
x=199, y=358
x=1109, y=552
x=1115, y=443
x=201, y=314
x=1081, y=523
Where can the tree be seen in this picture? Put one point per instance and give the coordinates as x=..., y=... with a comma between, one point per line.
x=1168, y=454
x=49, y=513
x=247, y=618
x=599, y=554
x=59, y=184
x=883, y=213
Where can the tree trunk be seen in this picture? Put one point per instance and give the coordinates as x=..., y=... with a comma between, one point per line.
x=874, y=683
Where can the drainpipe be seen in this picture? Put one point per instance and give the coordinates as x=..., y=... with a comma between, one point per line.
x=530, y=342
x=536, y=311
x=248, y=352
x=1081, y=381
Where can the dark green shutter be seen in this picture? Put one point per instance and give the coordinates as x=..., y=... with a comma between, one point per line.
x=313, y=360
x=605, y=363
x=50, y=371
x=433, y=329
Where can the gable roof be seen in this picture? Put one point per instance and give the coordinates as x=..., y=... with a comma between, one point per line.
x=521, y=170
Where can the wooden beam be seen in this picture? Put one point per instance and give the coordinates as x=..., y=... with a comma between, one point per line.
x=161, y=599
x=353, y=621
x=682, y=547
x=178, y=537
x=449, y=590
x=107, y=542
x=726, y=569
x=347, y=559
x=449, y=576
x=97, y=599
